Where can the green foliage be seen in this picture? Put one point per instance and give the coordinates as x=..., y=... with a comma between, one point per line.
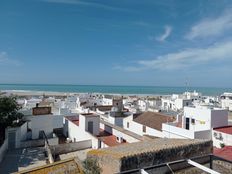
x=222, y=145
x=9, y=111
x=91, y=166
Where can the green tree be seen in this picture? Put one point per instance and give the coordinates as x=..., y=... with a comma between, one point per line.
x=9, y=115
x=91, y=166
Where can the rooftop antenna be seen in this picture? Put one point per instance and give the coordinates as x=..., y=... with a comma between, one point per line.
x=186, y=84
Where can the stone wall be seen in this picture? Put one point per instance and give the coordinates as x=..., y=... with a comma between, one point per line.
x=41, y=110
x=148, y=153
x=70, y=166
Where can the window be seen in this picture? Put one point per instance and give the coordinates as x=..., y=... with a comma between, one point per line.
x=187, y=123
x=90, y=127
x=128, y=124
x=193, y=121
x=144, y=128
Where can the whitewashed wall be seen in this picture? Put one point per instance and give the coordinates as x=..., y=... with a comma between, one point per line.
x=95, y=120
x=134, y=127
x=138, y=128
x=23, y=132
x=78, y=133
x=226, y=139
x=201, y=116
x=125, y=136
x=170, y=131
x=117, y=133
x=206, y=119
x=44, y=122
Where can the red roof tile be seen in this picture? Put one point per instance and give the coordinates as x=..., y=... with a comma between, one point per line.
x=225, y=129
x=74, y=119
x=108, y=139
x=76, y=122
x=153, y=119
x=225, y=152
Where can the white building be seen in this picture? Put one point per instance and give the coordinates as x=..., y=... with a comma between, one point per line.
x=226, y=101
x=147, y=123
x=142, y=105
x=85, y=127
x=177, y=102
x=82, y=127
x=46, y=123
x=222, y=136
x=196, y=122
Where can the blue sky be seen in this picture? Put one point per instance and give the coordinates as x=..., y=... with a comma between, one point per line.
x=116, y=42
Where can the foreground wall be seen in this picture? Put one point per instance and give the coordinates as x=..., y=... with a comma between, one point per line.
x=148, y=153
x=70, y=147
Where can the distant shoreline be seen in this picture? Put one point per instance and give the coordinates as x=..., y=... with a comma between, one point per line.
x=116, y=90
x=54, y=93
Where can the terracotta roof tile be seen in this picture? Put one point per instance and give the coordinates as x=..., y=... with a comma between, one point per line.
x=225, y=129
x=153, y=119
x=107, y=138
x=225, y=152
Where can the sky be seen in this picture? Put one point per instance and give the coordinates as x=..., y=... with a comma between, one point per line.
x=116, y=42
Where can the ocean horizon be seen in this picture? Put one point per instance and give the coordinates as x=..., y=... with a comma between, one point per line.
x=115, y=89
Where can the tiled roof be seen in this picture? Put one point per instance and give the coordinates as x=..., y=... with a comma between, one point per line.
x=89, y=115
x=104, y=108
x=74, y=119
x=225, y=152
x=153, y=119
x=142, y=147
x=108, y=139
x=76, y=122
x=225, y=129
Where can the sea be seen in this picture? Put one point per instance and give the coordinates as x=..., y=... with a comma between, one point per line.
x=108, y=89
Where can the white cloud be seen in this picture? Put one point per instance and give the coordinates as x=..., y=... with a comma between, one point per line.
x=4, y=59
x=85, y=3
x=186, y=58
x=165, y=35
x=211, y=27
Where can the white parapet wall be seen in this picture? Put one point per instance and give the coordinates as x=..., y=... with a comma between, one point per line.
x=71, y=147
x=220, y=138
x=170, y=131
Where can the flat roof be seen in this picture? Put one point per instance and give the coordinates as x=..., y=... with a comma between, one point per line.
x=225, y=152
x=225, y=129
x=89, y=115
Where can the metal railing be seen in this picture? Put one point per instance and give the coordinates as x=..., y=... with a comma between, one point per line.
x=178, y=165
x=48, y=149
